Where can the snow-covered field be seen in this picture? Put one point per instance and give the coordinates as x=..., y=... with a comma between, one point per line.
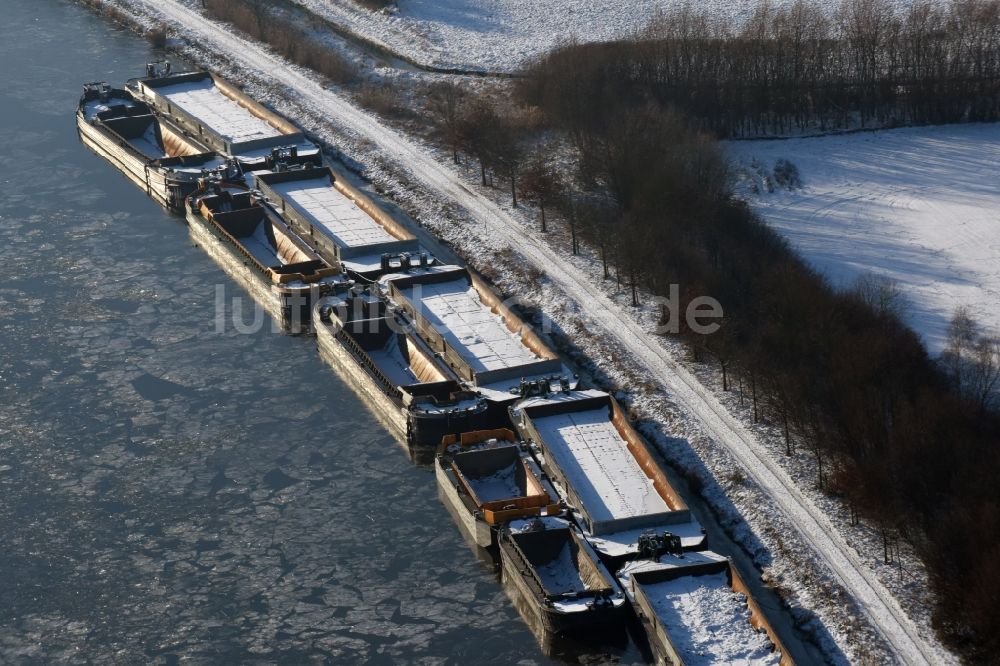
x=918, y=205
x=499, y=35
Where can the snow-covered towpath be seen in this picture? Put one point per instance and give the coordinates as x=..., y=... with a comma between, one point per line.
x=872, y=597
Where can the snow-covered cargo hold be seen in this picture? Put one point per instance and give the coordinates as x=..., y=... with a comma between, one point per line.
x=379, y=355
x=254, y=246
x=154, y=154
x=478, y=335
x=606, y=470
x=220, y=115
x=341, y=222
x=556, y=578
x=486, y=479
x=697, y=611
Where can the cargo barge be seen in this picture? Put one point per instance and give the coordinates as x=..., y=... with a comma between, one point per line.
x=150, y=151
x=477, y=335
x=255, y=247
x=554, y=575
x=377, y=352
x=217, y=114
x=606, y=472
x=486, y=479
x=342, y=223
x=697, y=611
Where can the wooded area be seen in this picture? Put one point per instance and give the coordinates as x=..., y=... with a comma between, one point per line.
x=797, y=67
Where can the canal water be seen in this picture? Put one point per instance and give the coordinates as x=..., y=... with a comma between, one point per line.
x=170, y=492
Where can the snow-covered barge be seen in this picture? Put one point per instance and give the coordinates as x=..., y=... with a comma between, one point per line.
x=606, y=471
x=476, y=334
x=341, y=222
x=221, y=116
x=154, y=154
x=488, y=478
x=254, y=246
x=697, y=611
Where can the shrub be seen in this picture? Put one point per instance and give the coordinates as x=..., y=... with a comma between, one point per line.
x=786, y=174
x=157, y=37
x=383, y=100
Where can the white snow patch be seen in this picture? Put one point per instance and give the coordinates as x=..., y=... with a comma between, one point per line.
x=917, y=205
x=500, y=485
x=502, y=35
x=560, y=575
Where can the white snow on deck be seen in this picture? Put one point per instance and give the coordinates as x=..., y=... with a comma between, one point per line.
x=588, y=449
x=560, y=574
x=224, y=115
x=476, y=333
x=393, y=364
x=324, y=206
x=500, y=485
x=708, y=623
x=148, y=144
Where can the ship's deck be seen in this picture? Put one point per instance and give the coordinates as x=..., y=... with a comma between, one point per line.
x=589, y=450
x=204, y=101
x=477, y=334
x=324, y=206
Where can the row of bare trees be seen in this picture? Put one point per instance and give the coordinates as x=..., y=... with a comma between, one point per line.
x=795, y=67
x=289, y=37
x=500, y=137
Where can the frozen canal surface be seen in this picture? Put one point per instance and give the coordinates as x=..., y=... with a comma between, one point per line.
x=169, y=493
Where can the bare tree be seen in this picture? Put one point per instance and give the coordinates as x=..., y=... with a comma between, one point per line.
x=984, y=385
x=540, y=185
x=963, y=334
x=882, y=294
x=444, y=103
x=477, y=130
x=508, y=149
